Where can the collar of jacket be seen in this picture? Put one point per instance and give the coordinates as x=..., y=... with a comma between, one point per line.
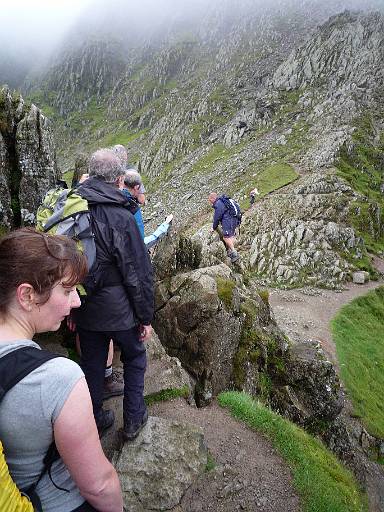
x=133, y=204
x=98, y=191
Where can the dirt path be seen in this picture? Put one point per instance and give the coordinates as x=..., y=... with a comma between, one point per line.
x=249, y=475
x=306, y=313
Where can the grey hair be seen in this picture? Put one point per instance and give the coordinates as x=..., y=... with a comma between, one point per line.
x=105, y=164
x=121, y=152
x=132, y=178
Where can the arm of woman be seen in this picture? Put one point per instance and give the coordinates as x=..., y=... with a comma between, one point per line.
x=78, y=443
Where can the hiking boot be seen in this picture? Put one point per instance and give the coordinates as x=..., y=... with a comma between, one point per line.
x=132, y=430
x=112, y=386
x=105, y=421
x=233, y=256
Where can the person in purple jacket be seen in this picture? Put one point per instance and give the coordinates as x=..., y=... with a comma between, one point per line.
x=228, y=224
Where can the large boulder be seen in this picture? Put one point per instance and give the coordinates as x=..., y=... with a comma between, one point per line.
x=224, y=335
x=157, y=468
x=311, y=395
x=195, y=326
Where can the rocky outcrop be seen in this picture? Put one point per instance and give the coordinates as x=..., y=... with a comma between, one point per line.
x=27, y=160
x=347, y=48
x=302, y=235
x=85, y=72
x=224, y=336
x=156, y=469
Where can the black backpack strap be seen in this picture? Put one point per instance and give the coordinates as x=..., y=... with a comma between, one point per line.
x=14, y=366
x=19, y=363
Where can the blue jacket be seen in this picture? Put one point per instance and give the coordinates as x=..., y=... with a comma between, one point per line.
x=161, y=231
x=220, y=212
x=138, y=215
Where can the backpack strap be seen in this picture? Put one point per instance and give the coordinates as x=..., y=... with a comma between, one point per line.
x=19, y=363
x=14, y=366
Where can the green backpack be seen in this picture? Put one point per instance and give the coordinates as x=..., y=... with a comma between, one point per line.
x=65, y=212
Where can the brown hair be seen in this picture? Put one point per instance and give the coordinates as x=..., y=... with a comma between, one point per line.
x=39, y=259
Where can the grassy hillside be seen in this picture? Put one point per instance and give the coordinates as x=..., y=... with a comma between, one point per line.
x=322, y=482
x=361, y=164
x=358, y=331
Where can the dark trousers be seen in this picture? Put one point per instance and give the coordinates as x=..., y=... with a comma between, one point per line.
x=94, y=353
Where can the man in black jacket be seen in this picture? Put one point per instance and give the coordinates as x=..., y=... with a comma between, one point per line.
x=121, y=304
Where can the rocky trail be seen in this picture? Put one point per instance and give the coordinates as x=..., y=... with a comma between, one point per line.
x=247, y=473
x=306, y=313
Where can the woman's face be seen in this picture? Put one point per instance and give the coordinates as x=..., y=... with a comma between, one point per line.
x=49, y=315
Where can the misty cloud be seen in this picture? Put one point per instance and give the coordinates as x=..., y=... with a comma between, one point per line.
x=35, y=29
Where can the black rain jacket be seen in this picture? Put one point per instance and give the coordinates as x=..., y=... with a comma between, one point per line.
x=124, y=296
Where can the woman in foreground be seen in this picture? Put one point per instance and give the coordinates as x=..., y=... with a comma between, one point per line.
x=38, y=274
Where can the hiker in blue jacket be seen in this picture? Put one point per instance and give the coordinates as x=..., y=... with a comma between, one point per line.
x=133, y=189
x=228, y=222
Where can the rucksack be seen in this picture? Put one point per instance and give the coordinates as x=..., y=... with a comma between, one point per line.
x=232, y=207
x=65, y=212
x=14, y=366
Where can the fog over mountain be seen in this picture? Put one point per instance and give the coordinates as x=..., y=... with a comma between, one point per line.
x=35, y=33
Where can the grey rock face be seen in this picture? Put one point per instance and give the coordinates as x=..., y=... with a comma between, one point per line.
x=224, y=336
x=27, y=160
x=312, y=395
x=35, y=154
x=163, y=372
x=301, y=237
x=156, y=469
x=6, y=214
x=327, y=56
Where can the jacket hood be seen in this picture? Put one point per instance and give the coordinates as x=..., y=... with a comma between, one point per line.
x=97, y=191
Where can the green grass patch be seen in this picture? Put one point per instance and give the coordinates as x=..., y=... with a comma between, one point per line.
x=225, y=289
x=211, y=464
x=323, y=483
x=361, y=165
x=207, y=161
x=167, y=394
x=358, y=331
x=121, y=137
x=274, y=177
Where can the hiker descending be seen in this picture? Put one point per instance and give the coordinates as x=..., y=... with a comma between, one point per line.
x=122, y=307
x=47, y=428
x=228, y=213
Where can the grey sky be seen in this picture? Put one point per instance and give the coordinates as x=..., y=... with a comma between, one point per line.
x=36, y=24
x=32, y=28
x=39, y=24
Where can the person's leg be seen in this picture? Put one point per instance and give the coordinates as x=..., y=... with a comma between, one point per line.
x=94, y=352
x=229, y=242
x=112, y=384
x=134, y=359
x=229, y=228
x=110, y=354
